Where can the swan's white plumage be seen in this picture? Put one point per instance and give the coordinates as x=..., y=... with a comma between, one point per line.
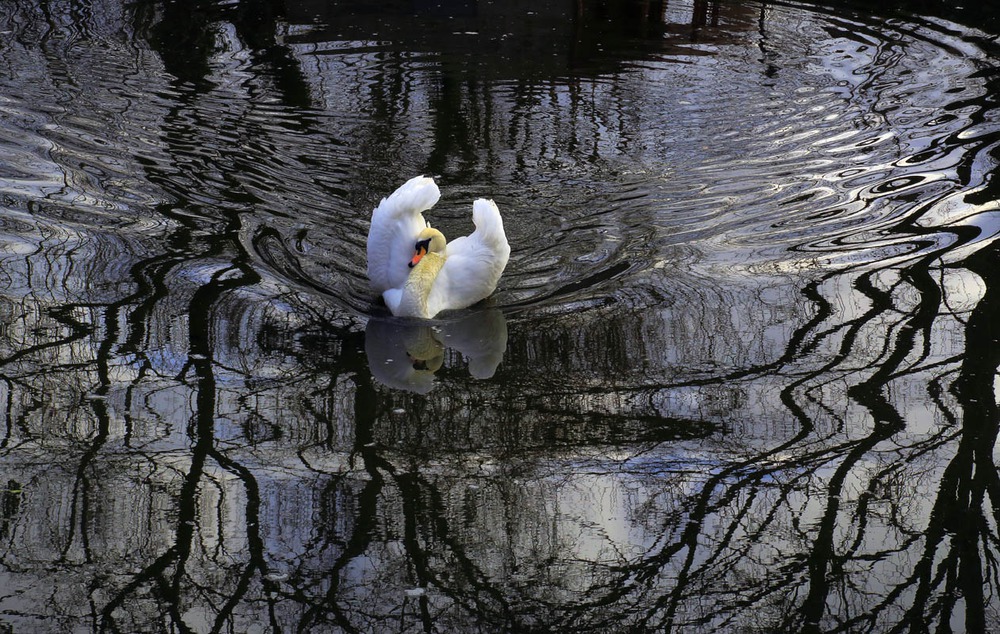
x=394, y=226
x=473, y=263
x=471, y=266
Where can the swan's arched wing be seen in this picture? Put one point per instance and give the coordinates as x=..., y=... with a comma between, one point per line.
x=390, y=248
x=395, y=224
x=473, y=263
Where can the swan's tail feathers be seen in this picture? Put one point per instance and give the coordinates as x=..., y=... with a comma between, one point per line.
x=414, y=196
x=489, y=225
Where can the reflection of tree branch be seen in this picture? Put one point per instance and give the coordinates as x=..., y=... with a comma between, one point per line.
x=424, y=514
x=822, y=552
x=921, y=320
x=970, y=478
x=257, y=563
x=425, y=508
x=846, y=456
x=200, y=315
x=168, y=572
x=365, y=407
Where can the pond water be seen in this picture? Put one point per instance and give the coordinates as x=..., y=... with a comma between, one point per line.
x=740, y=374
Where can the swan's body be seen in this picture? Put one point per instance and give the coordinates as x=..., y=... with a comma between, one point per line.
x=418, y=272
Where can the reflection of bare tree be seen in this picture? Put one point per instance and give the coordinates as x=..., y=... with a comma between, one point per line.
x=168, y=573
x=958, y=569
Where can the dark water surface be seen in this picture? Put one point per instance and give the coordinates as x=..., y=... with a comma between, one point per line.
x=741, y=373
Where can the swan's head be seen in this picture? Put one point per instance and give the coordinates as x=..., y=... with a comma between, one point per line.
x=428, y=241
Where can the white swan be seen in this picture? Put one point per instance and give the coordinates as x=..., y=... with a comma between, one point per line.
x=418, y=272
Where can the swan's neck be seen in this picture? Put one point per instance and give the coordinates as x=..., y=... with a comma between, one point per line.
x=418, y=286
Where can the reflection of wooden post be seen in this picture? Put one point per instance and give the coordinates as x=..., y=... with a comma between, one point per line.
x=699, y=12
x=699, y=16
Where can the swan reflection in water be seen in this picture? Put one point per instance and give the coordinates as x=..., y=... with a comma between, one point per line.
x=405, y=354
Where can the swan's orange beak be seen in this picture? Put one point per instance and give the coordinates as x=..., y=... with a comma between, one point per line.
x=421, y=252
x=422, y=247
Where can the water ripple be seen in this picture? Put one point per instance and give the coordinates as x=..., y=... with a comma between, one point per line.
x=785, y=139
